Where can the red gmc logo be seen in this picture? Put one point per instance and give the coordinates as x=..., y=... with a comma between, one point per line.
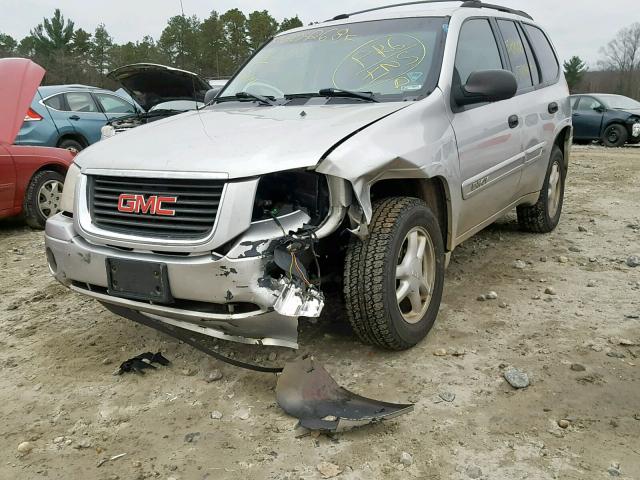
x=152, y=205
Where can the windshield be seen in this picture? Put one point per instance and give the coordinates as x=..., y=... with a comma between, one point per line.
x=620, y=102
x=393, y=59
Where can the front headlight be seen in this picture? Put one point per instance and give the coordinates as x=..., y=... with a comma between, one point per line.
x=281, y=193
x=107, y=132
x=69, y=189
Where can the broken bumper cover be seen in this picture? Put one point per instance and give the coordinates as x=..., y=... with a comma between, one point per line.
x=203, y=286
x=306, y=391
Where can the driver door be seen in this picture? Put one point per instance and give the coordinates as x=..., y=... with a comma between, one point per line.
x=489, y=135
x=587, y=118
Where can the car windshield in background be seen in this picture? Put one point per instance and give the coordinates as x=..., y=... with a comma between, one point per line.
x=619, y=102
x=393, y=59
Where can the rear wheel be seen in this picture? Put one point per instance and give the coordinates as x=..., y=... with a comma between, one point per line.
x=544, y=216
x=71, y=145
x=615, y=136
x=42, y=199
x=394, y=278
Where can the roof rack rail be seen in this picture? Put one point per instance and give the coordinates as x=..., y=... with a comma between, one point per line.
x=465, y=3
x=479, y=4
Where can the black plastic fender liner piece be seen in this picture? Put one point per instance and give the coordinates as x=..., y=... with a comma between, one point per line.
x=306, y=391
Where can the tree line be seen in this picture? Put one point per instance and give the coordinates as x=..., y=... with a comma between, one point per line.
x=217, y=45
x=619, y=67
x=214, y=47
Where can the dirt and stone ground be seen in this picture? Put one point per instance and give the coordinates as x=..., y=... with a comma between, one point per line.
x=567, y=315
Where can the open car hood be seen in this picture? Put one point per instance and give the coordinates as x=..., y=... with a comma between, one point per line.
x=19, y=81
x=150, y=84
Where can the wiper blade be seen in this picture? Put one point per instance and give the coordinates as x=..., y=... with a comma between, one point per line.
x=253, y=96
x=339, y=92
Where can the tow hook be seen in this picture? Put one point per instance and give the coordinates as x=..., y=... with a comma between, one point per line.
x=306, y=391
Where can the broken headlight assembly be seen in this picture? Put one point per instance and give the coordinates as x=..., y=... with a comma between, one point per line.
x=69, y=189
x=282, y=193
x=295, y=264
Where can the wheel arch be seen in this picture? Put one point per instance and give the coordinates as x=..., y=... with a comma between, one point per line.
x=78, y=137
x=563, y=141
x=433, y=191
x=615, y=121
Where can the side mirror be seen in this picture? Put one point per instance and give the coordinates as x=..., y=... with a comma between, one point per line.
x=486, y=86
x=600, y=109
x=211, y=94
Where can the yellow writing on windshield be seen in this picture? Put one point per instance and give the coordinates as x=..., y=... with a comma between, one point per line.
x=317, y=35
x=384, y=58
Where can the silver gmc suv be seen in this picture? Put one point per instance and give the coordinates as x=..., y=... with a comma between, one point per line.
x=345, y=158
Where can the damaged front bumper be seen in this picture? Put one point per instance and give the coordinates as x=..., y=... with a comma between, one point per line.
x=228, y=297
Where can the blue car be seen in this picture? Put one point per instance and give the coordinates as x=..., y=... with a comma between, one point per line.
x=70, y=116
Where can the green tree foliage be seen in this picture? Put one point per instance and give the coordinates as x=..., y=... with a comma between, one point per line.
x=213, y=47
x=179, y=42
x=290, y=23
x=101, y=45
x=260, y=27
x=574, y=70
x=234, y=24
x=215, y=62
x=8, y=45
x=53, y=35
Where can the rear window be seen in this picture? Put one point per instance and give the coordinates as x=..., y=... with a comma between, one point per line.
x=544, y=53
x=81, y=102
x=56, y=102
x=517, y=54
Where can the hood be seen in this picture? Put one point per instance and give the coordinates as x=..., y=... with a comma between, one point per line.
x=241, y=141
x=150, y=84
x=630, y=111
x=19, y=81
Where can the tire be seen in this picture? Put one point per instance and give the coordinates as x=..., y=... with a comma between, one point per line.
x=371, y=266
x=615, y=136
x=42, y=198
x=71, y=144
x=544, y=216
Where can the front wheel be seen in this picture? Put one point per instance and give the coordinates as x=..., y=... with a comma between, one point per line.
x=544, y=216
x=394, y=278
x=615, y=136
x=42, y=199
x=72, y=145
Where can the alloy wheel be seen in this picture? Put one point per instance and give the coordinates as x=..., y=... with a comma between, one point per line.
x=49, y=198
x=415, y=275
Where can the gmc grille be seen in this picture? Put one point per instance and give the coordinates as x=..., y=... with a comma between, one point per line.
x=195, y=209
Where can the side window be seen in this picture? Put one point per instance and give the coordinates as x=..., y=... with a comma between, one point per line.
x=574, y=102
x=477, y=50
x=112, y=104
x=56, y=102
x=81, y=102
x=533, y=67
x=517, y=54
x=589, y=104
x=544, y=52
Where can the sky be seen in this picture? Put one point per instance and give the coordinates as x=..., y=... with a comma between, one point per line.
x=577, y=27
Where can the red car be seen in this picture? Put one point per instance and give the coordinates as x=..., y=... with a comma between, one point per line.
x=31, y=178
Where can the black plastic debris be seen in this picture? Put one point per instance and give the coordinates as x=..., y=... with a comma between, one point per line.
x=142, y=362
x=306, y=391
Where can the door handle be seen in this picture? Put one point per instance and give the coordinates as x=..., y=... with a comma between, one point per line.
x=74, y=117
x=514, y=121
x=553, y=107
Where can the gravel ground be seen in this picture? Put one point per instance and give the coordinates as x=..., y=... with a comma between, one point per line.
x=567, y=316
